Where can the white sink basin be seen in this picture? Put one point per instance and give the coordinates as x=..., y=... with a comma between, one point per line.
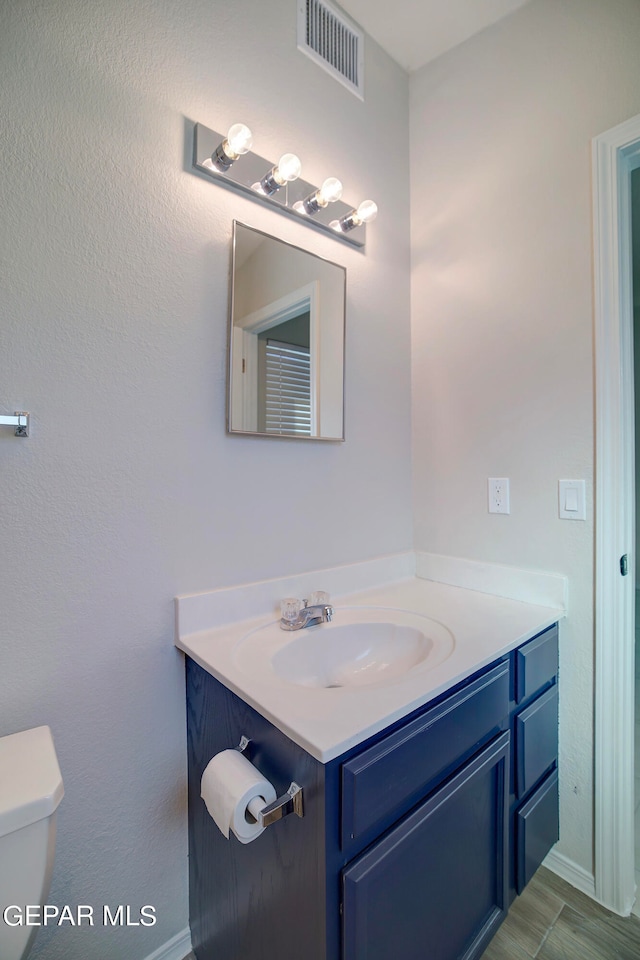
x=360, y=647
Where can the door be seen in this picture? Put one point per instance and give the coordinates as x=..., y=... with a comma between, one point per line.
x=615, y=155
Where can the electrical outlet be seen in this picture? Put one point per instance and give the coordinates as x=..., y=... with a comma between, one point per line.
x=499, y=495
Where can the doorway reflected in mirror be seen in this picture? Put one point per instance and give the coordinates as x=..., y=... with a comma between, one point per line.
x=286, y=340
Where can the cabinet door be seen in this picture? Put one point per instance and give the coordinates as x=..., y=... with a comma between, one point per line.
x=435, y=885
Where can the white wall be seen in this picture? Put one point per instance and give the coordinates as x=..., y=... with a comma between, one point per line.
x=113, y=322
x=502, y=311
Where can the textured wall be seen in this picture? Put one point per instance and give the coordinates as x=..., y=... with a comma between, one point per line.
x=502, y=312
x=113, y=313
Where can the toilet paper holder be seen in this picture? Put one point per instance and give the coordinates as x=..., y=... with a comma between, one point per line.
x=289, y=802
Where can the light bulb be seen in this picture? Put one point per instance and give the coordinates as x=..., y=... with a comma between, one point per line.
x=286, y=169
x=329, y=192
x=367, y=211
x=239, y=139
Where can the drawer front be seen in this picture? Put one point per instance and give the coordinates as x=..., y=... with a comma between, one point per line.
x=536, y=740
x=384, y=781
x=537, y=829
x=536, y=664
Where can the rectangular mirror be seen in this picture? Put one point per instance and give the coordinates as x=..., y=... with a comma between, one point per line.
x=286, y=340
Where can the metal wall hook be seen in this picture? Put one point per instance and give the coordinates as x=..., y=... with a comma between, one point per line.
x=20, y=421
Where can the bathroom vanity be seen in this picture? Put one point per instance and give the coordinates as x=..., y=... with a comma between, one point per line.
x=418, y=831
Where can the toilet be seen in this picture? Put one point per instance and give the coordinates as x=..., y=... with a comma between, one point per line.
x=30, y=791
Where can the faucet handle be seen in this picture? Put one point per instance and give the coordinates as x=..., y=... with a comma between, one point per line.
x=318, y=597
x=290, y=608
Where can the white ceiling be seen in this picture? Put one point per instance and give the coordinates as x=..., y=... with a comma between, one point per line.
x=416, y=31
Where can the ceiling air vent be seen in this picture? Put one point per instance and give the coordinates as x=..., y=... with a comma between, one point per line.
x=335, y=43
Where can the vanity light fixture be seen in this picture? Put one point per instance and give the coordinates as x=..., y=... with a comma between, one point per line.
x=237, y=142
x=231, y=162
x=286, y=170
x=364, y=213
x=329, y=192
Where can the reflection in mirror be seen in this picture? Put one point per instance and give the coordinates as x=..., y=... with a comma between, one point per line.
x=286, y=362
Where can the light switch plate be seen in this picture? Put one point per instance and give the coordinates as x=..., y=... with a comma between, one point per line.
x=572, y=500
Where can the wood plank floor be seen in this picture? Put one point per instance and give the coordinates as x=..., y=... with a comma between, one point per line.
x=554, y=921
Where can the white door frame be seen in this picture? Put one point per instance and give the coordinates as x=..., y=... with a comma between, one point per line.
x=244, y=354
x=615, y=154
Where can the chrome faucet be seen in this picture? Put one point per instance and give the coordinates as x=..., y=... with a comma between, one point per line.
x=298, y=614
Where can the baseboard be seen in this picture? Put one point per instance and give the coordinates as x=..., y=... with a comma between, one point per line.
x=577, y=876
x=582, y=880
x=175, y=949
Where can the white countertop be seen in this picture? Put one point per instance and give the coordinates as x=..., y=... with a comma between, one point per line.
x=326, y=722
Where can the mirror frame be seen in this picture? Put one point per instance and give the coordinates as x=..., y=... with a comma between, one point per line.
x=230, y=339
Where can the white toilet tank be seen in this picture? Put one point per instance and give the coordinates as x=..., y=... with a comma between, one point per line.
x=30, y=791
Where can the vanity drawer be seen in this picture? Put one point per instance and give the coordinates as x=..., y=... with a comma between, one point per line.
x=536, y=664
x=536, y=740
x=385, y=780
x=537, y=829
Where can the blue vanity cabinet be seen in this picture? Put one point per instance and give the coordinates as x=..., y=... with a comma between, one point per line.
x=412, y=844
x=534, y=801
x=263, y=900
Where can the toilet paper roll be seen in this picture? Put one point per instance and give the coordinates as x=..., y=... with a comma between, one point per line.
x=229, y=783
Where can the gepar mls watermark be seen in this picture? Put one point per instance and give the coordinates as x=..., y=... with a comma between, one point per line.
x=81, y=915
